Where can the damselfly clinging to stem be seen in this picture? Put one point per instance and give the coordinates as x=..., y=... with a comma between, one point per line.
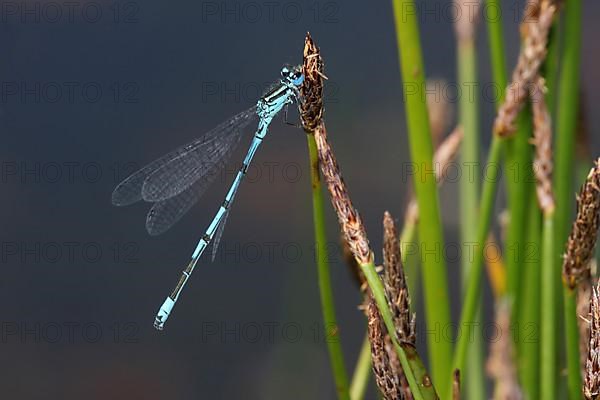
x=176, y=181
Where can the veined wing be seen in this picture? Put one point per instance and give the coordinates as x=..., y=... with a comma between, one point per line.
x=164, y=214
x=207, y=152
x=197, y=164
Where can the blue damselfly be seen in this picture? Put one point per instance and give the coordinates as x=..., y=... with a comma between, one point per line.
x=176, y=181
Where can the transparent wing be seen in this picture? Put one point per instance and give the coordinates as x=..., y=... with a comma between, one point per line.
x=164, y=214
x=194, y=161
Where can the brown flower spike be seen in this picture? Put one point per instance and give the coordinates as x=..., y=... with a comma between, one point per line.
x=311, y=106
x=311, y=112
x=386, y=366
x=395, y=283
x=456, y=385
x=542, y=140
x=591, y=386
x=582, y=240
x=538, y=19
x=385, y=363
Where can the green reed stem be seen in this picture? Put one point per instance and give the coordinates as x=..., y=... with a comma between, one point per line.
x=469, y=152
x=566, y=125
x=473, y=289
x=488, y=195
x=362, y=371
x=334, y=345
x=551, y=65
x=474, y=379
x=435, y=282
x=548, y=341
x=499, y=72
x=529, y=318
x=519, y=181
x=497, y=53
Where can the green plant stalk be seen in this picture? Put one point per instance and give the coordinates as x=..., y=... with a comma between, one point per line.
x=566, y=125
x=416, y=375
x=548, y=342
x=566, y=121
x=473, y=289
x=469, y=194
x=497, y=53
x=519, y=180
x=362, y=372
x=435, y=281
x=334, y=345
x=472, y=295
x=550, y=66
x=469, y=152
x=529, y=354
x=516, y=204
x=574, y=382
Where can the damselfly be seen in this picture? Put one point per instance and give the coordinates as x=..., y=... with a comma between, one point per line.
x=176, y=181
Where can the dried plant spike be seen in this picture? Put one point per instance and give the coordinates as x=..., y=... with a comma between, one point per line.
x=385, y=363
x=500, y=365
x=456, y=385
x=311, y=114
x=468, y=12
x=582, y=240
x=542, y=139
x=394, y=282
x=311, y=108
x=349, y=219
x=584, y=296
x=591, y=386
x=535, y=29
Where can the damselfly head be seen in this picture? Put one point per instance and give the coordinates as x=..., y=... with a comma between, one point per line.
x=292, y=74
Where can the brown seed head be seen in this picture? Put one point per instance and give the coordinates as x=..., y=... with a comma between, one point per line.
x=582, y=240
x=456, y=385
x=542, y=140
x=385, y=363
x=395, y=283
x=311, y=106
x=535, y=28
x=591, y=386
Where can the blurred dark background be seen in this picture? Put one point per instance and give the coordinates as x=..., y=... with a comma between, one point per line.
x=91, y=90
